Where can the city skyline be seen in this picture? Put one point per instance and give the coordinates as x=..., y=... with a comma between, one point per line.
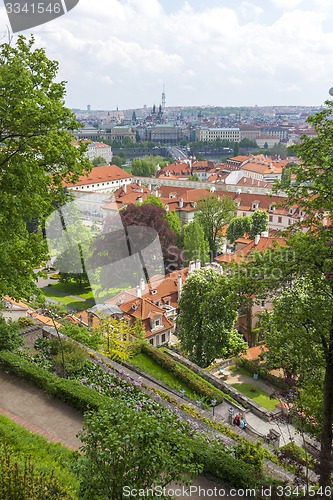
x=120, y=53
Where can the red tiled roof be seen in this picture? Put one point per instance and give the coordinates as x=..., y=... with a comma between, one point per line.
x=101, y=174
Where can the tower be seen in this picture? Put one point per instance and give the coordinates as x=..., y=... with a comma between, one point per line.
x=163, y=98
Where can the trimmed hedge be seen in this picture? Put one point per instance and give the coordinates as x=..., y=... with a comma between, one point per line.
x=184, y=374
x=254, y=367
x=69, y=391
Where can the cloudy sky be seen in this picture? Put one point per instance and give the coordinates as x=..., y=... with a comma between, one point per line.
x=206, y=52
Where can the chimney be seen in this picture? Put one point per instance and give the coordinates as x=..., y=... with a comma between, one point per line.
x=179, y=285
x=140, y=200
x=191, y=266
x=256, y=239
x=139, y=183
x=142, y=285
x=124, y=188
x=138, y=291
x=155, y=192
x=149, y=187
x=197, y=264
x=181, y=203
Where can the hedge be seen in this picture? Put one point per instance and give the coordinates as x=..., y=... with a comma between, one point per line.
x=184, y=374
x=254, y=367
x=69, y=391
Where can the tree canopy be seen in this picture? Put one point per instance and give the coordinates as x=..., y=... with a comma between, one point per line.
x=208, y=313
x=36, y=155
x=195, y=244
x=308, y=256
x=213, y=213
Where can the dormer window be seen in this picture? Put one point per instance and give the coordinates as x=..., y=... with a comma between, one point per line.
x=153, y=292
x=271, y=208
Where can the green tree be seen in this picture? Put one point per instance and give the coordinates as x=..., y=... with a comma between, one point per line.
x=195, y=244
x=9, y=335
x=99, y=160
x=82, y=334
x=36, y=156
x=259, y=222
x=117, y=160
x=208, y=313
x=120, y=340
x=310, y=255
x=213, y=213
x=194, y=177
x=174, y=223
x=238, y=227
x=135, y=448
x=153, y=200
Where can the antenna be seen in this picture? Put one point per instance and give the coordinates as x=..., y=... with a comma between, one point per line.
x=163, y=97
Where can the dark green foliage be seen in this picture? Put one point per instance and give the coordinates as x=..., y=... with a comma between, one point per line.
x=254, y=367
x=238, y=227
x=222, y=465
x=9, y=335
x=69, y=391
x=184, y=374
x=134, y=447
x=36, y=153
x=208, y=313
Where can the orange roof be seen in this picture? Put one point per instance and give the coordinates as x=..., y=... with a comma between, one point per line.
x=45, y=320
x=101, y=174
x=254, y=352
x=15, y=302
x=263, y=244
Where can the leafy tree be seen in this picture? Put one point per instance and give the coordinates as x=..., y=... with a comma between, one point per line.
x=9, y=335
x=153, y=200
x=135, y=447
x=259, y=222
x=195, y=244
x=149, y=216
x=238, y=227
x=120, y=340
x=174, y=222
x=194, y=177
x=36, y=155
x=117, y=160
x=99, y=160
x=310, y=256
x=208, y=312
x=213, y=213
x=147, y=166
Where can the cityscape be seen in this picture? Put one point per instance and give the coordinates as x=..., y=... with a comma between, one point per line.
x=166, y=281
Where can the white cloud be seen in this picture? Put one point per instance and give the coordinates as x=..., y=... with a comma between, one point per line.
x=206, y=55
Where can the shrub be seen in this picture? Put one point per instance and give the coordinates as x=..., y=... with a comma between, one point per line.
x=23, y=481
x=294, y=453
x=9, y=335
x=70, y=391
x=25, y=322
x=184, y=374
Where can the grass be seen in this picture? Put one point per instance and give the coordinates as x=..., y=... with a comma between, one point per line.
x=146, y=364
x=260, y=397
x=67, y=300
x=241, y=371
x=47, y=456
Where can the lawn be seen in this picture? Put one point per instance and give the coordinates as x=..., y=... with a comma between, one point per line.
x=259, y=396
x=241, y=371
x=149, y=366
x=68, y=301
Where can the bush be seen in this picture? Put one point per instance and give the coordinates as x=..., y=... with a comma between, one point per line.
x=294, y=453
x=19, y=479
x=9, y=335
x=70, y=391
x=25, y=322
x=83, y=335
x=184, y=374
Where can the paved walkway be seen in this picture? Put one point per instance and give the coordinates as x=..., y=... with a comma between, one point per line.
x=32, y=408
x=287, y=431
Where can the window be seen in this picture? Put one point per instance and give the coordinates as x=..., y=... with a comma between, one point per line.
x=262, y=303
x=271, y=218
x=279, y=220
x=157, y=322
x=151, y=341
x=163, y=337
x=290, y=222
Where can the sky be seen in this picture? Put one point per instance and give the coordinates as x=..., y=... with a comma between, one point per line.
x=120, y=53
